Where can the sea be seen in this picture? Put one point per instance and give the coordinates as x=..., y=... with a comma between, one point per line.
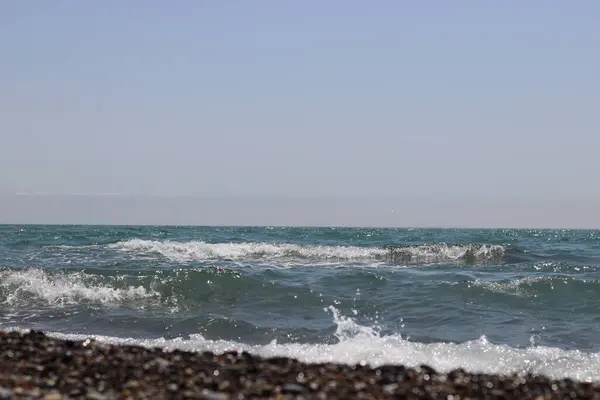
x=485, y=300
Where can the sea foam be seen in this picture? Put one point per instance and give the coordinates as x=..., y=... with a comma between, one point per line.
x=199, y=250
x=34, y=285
x=358, y=344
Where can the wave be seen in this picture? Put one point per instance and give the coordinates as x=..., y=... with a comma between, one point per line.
x=358, y=344
x=184, y=288
x=470, y=252
x=407, y=254
x=171, y=290
x=26, y=287
x=538, y=286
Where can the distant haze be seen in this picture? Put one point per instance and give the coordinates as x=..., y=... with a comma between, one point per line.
x=300, y=113
x=389, y=212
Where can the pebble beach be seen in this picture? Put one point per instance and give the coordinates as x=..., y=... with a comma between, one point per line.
x=36, y=366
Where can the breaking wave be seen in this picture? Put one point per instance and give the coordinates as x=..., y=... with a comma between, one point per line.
x=358, y=344
x=409, y=254
x=35, y=286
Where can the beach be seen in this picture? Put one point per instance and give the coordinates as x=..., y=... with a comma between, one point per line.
x=33, y=365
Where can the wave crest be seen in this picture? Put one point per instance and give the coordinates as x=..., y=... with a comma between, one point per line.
x=34, y=286
x=199, y=250
x=440, y=252
x=537, y=286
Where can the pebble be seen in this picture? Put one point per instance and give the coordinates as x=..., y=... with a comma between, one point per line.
x=5, y=394
x=94, y=395
x=210, y=395
x=292, y=388
x=35, y=366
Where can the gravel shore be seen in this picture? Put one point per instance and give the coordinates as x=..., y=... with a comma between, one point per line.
x=33, y=365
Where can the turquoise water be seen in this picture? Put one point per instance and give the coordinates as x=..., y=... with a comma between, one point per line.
x=486, y=300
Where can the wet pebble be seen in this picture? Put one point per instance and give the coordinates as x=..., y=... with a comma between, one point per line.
x=35, y=366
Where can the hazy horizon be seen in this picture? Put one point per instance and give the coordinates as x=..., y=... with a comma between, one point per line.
x=305, y=212
x=458, y=114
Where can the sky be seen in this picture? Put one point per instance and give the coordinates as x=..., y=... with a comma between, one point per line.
x=442, y=112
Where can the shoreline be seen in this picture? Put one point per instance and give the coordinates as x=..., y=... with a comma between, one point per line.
x=36, y=366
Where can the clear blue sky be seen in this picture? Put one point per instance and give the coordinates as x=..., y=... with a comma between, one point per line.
x=468, y=101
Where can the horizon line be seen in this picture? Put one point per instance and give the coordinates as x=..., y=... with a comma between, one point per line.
x=432, y=227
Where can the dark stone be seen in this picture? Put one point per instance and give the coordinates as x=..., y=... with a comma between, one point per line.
x=5, y=394
x=33, y=365
x=293, y=388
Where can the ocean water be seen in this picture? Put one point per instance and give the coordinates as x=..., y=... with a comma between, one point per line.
x=498, y=301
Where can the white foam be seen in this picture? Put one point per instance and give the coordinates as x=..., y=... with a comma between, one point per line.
x=61, y=289
x=438, y=252
x=363, y=345
x=199, y=250
x=520, y=286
